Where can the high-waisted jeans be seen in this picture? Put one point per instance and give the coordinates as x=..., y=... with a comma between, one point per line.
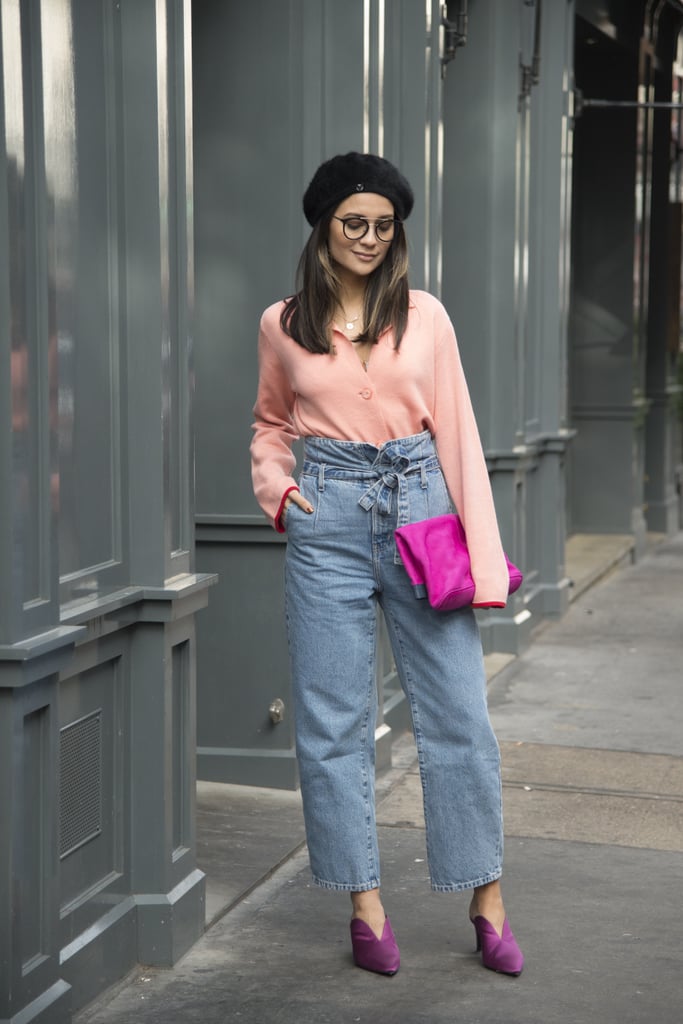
x=341, y=560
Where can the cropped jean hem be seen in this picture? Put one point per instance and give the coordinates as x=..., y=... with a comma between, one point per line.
x=463, y=886
x=347, y=887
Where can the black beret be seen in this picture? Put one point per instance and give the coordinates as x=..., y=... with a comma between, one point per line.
x=343, y=176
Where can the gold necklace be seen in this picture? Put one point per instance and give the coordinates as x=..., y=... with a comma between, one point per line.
x=350, y=321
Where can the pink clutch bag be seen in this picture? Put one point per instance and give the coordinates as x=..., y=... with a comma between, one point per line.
x=434, y=553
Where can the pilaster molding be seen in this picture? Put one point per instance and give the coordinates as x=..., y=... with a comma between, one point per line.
x=523, y=457
x=635, y=410
x=179, y=597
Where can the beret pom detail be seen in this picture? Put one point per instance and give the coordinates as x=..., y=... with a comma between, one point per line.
x=341, y=176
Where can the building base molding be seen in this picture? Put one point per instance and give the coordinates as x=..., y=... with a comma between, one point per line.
x=97, y=740
x=664, y=516
x=550, y=600
x=110, y=944
x=274, y=769
x=169, y=923
x=505, y=634
x=50, y=1007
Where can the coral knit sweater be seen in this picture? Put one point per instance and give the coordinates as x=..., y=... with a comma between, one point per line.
x=420, y=387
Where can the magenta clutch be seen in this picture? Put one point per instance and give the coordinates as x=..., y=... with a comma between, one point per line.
x=434, y=553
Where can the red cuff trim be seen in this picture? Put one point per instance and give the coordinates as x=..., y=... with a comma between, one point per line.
x=277, y=521
x=489, y=604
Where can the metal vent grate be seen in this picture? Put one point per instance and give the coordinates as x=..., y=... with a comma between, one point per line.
x=80, y=783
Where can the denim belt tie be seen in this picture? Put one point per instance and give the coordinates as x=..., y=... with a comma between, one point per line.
x=391, y=478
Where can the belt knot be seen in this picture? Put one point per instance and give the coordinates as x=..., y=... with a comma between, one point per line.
x=390, y=478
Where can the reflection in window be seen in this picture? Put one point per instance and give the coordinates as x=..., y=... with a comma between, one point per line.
x=27, y=435
x=80, y=150
x=676, y=175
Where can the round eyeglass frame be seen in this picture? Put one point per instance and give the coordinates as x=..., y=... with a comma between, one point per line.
x=357, y=235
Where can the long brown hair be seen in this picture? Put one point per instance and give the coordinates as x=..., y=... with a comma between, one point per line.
x=306, y=316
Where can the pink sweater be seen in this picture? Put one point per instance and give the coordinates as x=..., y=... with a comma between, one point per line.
x=420, y=387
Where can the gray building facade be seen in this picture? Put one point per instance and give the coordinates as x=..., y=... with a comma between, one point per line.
x=98, y=589
x=152, y=160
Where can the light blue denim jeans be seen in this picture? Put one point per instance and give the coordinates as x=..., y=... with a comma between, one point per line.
x=341, y=560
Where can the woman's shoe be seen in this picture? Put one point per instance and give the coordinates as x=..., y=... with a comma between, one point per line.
x=498, y=952
x=371, y=953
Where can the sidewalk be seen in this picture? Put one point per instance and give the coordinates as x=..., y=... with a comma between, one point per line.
x=590, y=724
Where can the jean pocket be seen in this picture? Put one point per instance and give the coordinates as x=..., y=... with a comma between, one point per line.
x=295, y=514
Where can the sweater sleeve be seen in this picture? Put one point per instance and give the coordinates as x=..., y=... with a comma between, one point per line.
x=272, y=459
x=464, y=466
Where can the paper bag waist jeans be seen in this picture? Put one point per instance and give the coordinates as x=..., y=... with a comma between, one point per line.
x=341, y=561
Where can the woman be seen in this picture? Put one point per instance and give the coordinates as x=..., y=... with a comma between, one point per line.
x=368, y=373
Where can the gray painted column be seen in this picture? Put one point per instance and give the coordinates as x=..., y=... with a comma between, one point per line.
x=606, y=384
x=485, y=284
x=97, y=720
x=33, y=644
x=507, y=207
x=546, y=420
x=156, y=100
x=663, y=426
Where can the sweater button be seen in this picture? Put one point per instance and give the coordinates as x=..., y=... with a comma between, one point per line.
x=366, y=393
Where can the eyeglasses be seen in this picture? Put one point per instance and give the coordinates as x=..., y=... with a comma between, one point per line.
x=358, y=227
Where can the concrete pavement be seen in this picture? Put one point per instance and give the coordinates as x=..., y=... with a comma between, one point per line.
x=590, y=722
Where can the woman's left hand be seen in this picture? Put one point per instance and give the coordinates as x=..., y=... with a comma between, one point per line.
x=296, y=498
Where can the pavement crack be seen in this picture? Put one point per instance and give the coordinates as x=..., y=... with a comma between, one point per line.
x=629, y=794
